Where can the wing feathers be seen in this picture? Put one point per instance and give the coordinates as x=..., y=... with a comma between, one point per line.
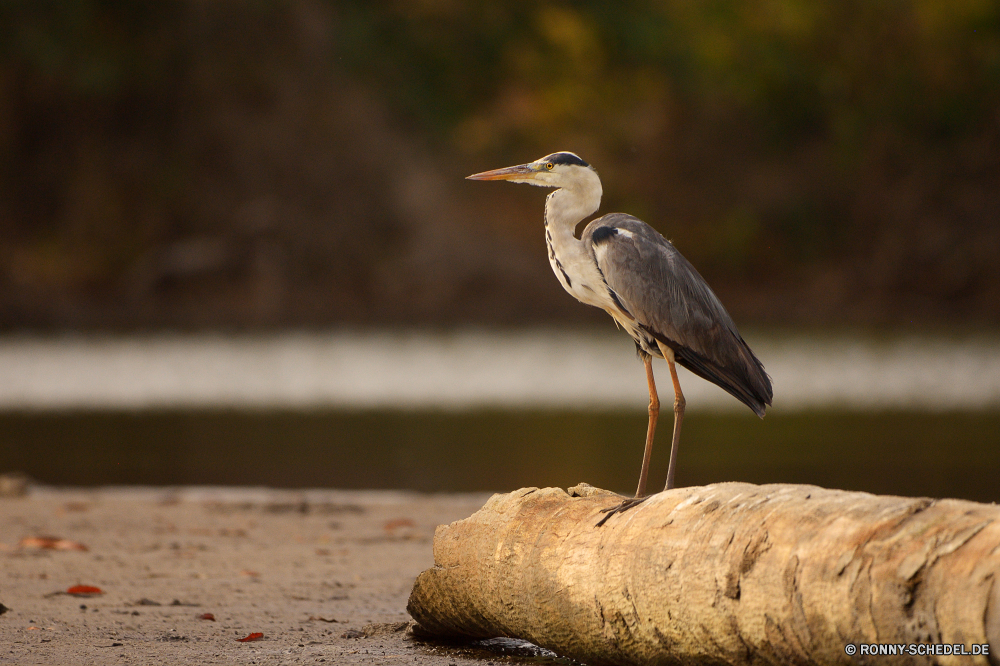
x=672, y=302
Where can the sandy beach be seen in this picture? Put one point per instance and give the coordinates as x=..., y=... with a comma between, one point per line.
x=184, y=573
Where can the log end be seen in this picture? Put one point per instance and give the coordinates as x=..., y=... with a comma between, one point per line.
x=444, y=610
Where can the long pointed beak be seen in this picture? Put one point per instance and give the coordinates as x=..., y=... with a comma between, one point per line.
x=519, y=172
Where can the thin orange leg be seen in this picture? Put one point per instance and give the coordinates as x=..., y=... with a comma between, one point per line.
x=654, y=414
x=679, y=403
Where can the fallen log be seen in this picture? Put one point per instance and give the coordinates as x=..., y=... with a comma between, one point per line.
x=729, y=573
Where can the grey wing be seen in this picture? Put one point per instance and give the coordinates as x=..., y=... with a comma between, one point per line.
x=671, y=302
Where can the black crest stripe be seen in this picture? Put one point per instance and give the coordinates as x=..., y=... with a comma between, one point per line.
x=566, y=158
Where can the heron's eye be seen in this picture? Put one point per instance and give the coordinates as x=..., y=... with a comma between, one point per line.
x=549, y=166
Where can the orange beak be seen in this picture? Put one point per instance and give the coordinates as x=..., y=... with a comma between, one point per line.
x=520, y=172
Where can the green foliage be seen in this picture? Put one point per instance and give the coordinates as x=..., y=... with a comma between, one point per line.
x=705, y=95
x=775, y=141
x=833, y=67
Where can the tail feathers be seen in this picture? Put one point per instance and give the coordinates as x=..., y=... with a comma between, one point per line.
x=738, y=371
x=749, y=384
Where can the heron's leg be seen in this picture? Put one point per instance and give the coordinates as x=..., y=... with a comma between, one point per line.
x=679, y=403
x=654, y=414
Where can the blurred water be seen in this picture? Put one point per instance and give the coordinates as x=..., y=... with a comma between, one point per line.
x=938, y=454
x=477, y=411
x=541, y=369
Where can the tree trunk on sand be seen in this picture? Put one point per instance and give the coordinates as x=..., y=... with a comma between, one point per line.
x=728, y=573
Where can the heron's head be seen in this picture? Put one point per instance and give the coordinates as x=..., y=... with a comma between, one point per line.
x=562, y=169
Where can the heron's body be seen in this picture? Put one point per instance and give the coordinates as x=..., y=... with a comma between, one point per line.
x=625, y=267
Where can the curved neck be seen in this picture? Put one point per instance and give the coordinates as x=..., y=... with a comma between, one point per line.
x=568, y=205
x=571, y=263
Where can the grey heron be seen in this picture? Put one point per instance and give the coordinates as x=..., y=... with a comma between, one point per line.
x=625, y=267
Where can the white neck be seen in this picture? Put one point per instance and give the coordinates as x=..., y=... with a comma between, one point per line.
x=564, y=209
x=568, y=205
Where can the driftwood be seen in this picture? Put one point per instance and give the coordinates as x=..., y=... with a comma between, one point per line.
x=729, y=573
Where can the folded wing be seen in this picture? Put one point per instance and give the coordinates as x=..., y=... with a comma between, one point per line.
x=671, y=302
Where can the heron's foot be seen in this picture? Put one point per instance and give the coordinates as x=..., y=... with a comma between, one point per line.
x=621, y=508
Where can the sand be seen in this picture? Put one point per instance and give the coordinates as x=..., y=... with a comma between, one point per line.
x=323, y=575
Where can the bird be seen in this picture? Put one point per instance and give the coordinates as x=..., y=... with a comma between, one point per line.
x=625, y=267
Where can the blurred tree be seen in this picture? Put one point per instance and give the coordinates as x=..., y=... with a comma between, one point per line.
x=300, y=162
x=818, y=144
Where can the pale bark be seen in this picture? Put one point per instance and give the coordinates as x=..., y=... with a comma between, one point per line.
x=729, y=573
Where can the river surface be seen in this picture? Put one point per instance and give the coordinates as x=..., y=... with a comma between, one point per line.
x=547, y=369
x=474, y=411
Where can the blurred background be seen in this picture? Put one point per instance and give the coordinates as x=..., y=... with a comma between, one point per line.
x=237, y=246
